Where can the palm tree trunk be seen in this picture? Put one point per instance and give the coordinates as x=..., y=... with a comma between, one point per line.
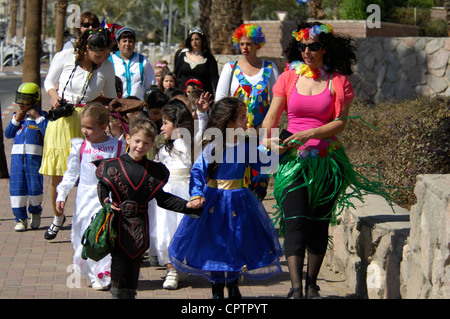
x=24, y=17
x=31, y=61
x=447, y=9
x=315, y=9
x=60, y=8
x=13, y=5
x=44, y=19
x=226, y=16
x=205, y=19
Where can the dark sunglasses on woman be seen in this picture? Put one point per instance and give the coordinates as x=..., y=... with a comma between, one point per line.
x=88, y=24
x=314, y=46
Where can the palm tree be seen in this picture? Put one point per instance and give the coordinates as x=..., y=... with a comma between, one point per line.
x=13, y=5
x=226, y=16
x=61, y=8
x=31, y=60
x=205, y=16
x=315, y=9
x=447, y=9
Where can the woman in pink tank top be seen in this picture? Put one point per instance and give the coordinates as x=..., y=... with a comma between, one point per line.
x=314, y=172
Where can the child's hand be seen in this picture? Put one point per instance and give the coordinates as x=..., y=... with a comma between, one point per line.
x=33, y=113
x=195, y=203
x=113, y=207
x=60, y=207
x=203, y=103
x=20, y=115
x=274, y=143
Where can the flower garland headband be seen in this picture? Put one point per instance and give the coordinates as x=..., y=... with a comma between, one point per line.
x=252, y=31
x=311, y=33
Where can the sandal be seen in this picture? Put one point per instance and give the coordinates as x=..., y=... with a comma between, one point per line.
x=297, y=291
x=53, y=230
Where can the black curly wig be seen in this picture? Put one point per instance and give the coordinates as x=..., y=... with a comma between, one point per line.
x=339, y=56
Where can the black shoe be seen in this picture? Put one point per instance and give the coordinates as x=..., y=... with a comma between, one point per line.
x=295, y=293
x=53, y=230
x=312, y=292
x=233, y=290
x=217, y=291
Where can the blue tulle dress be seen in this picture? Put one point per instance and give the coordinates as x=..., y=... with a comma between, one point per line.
x=234, y=235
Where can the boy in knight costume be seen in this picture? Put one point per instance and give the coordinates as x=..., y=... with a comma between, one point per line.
x=132, y=181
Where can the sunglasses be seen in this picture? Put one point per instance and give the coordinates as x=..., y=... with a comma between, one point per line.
x=314, y=46
x=87, y=25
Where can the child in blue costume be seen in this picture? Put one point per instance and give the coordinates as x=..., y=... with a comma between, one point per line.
x=27, y=127
x=234, y=236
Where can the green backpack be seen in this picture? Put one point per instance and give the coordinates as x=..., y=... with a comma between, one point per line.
x=98, y=238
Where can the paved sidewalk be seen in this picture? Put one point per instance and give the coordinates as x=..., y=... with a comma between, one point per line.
x=34, y=268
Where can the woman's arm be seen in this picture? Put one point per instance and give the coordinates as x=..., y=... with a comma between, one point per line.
x=274, y=113
x=223, y=85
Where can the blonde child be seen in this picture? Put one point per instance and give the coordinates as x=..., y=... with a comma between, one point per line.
x=96, y=145
x=132, y=181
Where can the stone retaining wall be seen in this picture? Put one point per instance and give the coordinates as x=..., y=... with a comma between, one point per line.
x=425, y=268
x=386, y=255
x=401, y=68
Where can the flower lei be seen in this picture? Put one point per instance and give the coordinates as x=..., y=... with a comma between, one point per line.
x=303, y=69
x=311, y=33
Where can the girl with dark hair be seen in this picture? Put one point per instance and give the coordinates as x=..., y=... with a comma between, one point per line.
x=315, y=172
x=196, y=61
x=234, y=236
x=176, y=155
x=75, y=77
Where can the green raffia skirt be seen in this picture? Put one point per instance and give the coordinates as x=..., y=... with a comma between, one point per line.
x=321, y=170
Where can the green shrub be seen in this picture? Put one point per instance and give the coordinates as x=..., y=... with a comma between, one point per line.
x=413, y=138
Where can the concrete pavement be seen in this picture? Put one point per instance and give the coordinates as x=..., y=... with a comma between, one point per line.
x=34, y=268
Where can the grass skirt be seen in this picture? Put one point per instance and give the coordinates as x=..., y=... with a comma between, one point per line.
x=57, y=143
x=320, y=169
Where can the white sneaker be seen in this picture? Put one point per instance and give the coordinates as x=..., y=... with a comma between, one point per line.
x=171, y=281
x=35, y=221
x=96, y=285
x=21, y=225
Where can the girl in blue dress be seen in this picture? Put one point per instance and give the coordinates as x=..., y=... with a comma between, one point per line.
x=234, y=236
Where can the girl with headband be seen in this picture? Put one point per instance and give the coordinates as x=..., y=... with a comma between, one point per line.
x=250, y=79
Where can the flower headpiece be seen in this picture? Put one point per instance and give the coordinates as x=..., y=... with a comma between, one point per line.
x=311, y=33
x=250, y=30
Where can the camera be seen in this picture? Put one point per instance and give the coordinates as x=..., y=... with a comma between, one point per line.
x=65, y=109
